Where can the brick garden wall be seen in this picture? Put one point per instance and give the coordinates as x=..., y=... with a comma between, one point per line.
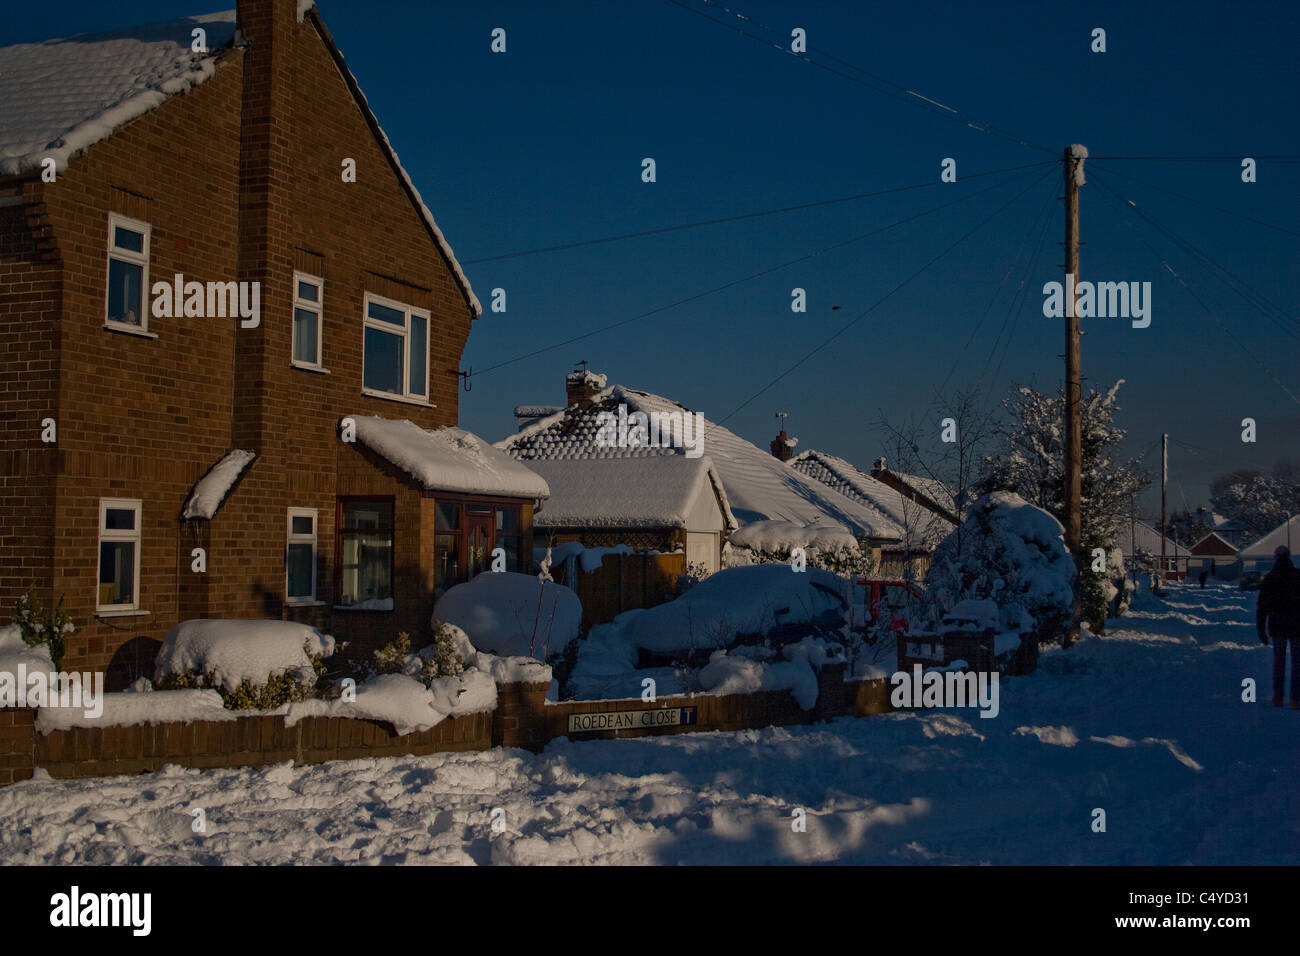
x=523, y=718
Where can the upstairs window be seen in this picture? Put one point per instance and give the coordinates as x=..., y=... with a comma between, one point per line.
x=128, y=272
x=396, y=350
x=308, y=295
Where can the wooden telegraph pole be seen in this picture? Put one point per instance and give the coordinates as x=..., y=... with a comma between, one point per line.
x=1074, y=157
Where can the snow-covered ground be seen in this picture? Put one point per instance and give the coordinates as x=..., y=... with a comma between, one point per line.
x=1146, y=723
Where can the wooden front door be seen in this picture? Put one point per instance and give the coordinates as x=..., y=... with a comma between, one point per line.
x=478, y=543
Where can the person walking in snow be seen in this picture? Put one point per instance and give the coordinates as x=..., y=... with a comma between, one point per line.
x=1204, y=574
x=1279, y=617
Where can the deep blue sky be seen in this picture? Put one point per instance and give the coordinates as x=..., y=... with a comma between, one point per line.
x=543, y=145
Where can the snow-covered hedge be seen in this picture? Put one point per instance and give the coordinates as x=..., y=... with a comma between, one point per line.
x=512, y=614
x=253, y=664
x=1010, y=553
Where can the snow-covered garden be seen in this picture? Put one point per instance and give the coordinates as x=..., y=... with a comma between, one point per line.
x=1146, y=723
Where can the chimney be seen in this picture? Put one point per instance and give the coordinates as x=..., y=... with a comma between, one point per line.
x=580, y=385
x=783, y=446
x=877, y=467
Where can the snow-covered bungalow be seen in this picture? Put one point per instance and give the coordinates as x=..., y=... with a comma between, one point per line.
x=1259, y=556
x=923, y=527
x=663, y=503
x=210, y=259
x=775, y=506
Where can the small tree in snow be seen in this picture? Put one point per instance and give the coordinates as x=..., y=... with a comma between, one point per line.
x=1011, y=553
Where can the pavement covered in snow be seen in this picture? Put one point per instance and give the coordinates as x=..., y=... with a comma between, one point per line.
x=1146, y=723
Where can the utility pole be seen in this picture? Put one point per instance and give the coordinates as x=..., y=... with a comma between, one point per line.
x=1164, y=484
x=1074, y=157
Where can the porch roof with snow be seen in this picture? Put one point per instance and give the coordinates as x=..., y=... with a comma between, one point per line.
x=448, y=459
x=758, y=486
x=626, y=493
x=211, y=491
x=59, y=97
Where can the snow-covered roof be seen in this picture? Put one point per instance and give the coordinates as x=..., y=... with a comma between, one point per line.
x=1286, y=534
x=58, y=97
x=658, y=492
x=211, y=491
x=1141, y=537
x=923, y=525
x=931, y=488
x=758, y=486
x=448, y=459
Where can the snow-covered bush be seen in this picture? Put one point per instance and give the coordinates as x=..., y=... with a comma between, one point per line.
x=37, y=627
x=254, y=665
x=1011, y=553
x=1119, y=587
x=512, y=614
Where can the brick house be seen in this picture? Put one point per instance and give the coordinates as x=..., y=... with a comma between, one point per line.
x=128, y=440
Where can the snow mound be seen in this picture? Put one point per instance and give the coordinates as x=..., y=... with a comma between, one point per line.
x=728, y=674
x=14, y=651
x=512, y=614
x=232, y=652
x=405, y=702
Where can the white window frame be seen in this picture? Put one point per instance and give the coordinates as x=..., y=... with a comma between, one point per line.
x=134, y=258
x=133, y=504
x=290, y=539
x=318, y=307
x=405, y=334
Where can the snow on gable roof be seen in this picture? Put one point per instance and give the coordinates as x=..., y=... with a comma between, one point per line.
x=448, y=459
x=1287, y=534
x=758, y=486
x=657, y=492
x=1211, y=538
x=58, y=97
x=1144, y=538
x=923, y=525
x=211, y=491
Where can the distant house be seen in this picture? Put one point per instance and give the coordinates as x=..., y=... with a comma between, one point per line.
x=775, y=506
x=923, y=526
x=929, y=492
x=662, y=503
x=1143, y=541
x=203, y=464
x=1215, y=554
x=1259, y=556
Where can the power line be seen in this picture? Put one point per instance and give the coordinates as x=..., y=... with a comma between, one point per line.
x=740, y=217
x=1120, y=201
x=871, y=308
x=970, y=340
x=895, y=90
x=1253, y=298
x=740, y=281
x=1198, y=159
x=1222, y=209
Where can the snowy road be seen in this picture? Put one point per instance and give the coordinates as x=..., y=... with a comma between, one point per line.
x=1146, y=723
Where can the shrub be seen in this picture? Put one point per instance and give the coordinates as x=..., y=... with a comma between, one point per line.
x=39, y=628
x=279, y=689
